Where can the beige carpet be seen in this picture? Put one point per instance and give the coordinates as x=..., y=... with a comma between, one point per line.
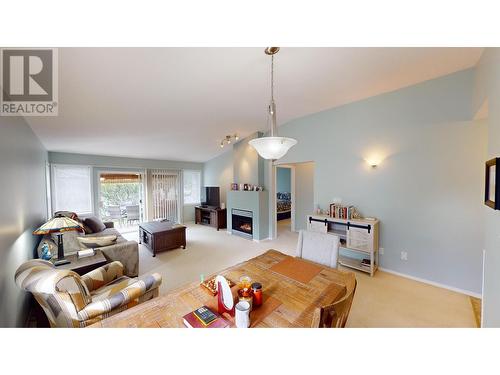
x=385, y=300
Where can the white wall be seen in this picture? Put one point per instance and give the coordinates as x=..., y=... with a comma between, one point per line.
x=219, y=172
x=487, y=89
x=304, y=193
x=23, y=208
x=100, y=162
x=248, y=166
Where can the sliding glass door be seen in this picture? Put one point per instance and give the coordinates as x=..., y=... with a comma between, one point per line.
x=121, y=199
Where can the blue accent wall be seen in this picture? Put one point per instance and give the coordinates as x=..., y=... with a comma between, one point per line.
x=284, y=180
x=427, y=189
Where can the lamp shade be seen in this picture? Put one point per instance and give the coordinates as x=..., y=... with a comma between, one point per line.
x=272, y=147
x=59, y=224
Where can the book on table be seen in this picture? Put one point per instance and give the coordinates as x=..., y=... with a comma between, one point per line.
x=203, y=317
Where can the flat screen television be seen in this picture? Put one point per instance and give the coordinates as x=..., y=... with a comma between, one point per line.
x=212, y=196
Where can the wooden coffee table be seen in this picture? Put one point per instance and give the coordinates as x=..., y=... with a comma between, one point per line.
x=159, y=236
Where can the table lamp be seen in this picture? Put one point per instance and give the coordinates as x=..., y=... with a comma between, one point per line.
x=58, y=225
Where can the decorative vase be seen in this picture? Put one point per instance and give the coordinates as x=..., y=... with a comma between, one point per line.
x=46, y=254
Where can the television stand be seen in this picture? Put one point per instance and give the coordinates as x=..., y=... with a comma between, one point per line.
x=214, y=217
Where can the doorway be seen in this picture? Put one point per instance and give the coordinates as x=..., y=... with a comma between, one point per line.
x=121, y=199
x=285, y=198
x=301, y=195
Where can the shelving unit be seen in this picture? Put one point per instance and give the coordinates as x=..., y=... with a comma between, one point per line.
x=356, y=236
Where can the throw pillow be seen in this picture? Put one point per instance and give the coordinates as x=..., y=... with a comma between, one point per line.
x=89, y=242
x=69, y=214
x=85, y=227
x=95, y=224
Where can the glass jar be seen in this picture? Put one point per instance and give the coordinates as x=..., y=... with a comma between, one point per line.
x=257, y=294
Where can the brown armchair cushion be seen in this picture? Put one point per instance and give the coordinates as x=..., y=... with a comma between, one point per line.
x=95, y=224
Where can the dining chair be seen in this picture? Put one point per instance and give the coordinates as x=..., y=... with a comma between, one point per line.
x=114, y=213
x=318, y=247
x=132, y=213
x=335, y=315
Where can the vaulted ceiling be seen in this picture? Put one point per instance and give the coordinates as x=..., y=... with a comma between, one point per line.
x=178, y=103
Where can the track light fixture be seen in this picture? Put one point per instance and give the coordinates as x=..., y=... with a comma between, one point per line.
x=228, y=139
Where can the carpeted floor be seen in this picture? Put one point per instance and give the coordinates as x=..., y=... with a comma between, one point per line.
x=385, y=300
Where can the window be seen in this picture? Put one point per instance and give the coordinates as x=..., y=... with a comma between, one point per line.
x=72, y=188
x=192, y=187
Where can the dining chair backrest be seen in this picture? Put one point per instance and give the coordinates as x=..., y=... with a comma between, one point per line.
x=335, y=315
x=318, y=247
x=114, y=212
x=132, y=212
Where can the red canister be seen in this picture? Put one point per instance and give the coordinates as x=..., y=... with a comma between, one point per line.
x=257, y=294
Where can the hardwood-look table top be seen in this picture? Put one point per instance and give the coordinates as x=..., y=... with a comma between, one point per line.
x=296, y=300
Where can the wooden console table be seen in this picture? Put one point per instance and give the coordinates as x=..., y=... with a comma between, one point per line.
x=356, y=235
x=159, y=236
x=215, y=217
x=84, y=265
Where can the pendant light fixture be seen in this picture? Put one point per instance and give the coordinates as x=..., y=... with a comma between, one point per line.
x=272, y=147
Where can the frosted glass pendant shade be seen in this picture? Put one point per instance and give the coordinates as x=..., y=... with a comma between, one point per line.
x=272, y=147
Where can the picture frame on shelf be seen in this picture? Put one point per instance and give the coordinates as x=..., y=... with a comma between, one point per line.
x=491, y=184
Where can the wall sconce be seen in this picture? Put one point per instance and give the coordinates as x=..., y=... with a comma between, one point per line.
x=373, y=162
x=227, y=140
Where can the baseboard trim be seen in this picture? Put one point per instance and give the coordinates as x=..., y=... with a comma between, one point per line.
x=433, y=283
x=264, y=239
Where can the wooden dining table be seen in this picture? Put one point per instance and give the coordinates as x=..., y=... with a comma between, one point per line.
x=292, y=288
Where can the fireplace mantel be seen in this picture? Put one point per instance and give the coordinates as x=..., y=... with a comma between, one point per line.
x=255, y=201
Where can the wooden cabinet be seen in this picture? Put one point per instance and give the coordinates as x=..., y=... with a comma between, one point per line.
x=159, y=236
x=197, y=215
x=215, y=217
x=358, y=240
x=317, y=226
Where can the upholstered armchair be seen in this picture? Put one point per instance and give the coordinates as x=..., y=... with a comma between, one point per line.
x=71, y=300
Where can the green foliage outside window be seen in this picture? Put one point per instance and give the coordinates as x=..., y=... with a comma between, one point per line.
x=119, y=194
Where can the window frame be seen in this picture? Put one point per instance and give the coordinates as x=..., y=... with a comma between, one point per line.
x=198, y=172
x=53, y=167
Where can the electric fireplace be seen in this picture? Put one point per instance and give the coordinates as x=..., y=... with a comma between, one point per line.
x=242, y=223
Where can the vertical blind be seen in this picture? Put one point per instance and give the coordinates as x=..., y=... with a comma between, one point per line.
x=165, y=194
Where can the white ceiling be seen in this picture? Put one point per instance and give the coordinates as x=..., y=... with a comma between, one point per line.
x=177, y=103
